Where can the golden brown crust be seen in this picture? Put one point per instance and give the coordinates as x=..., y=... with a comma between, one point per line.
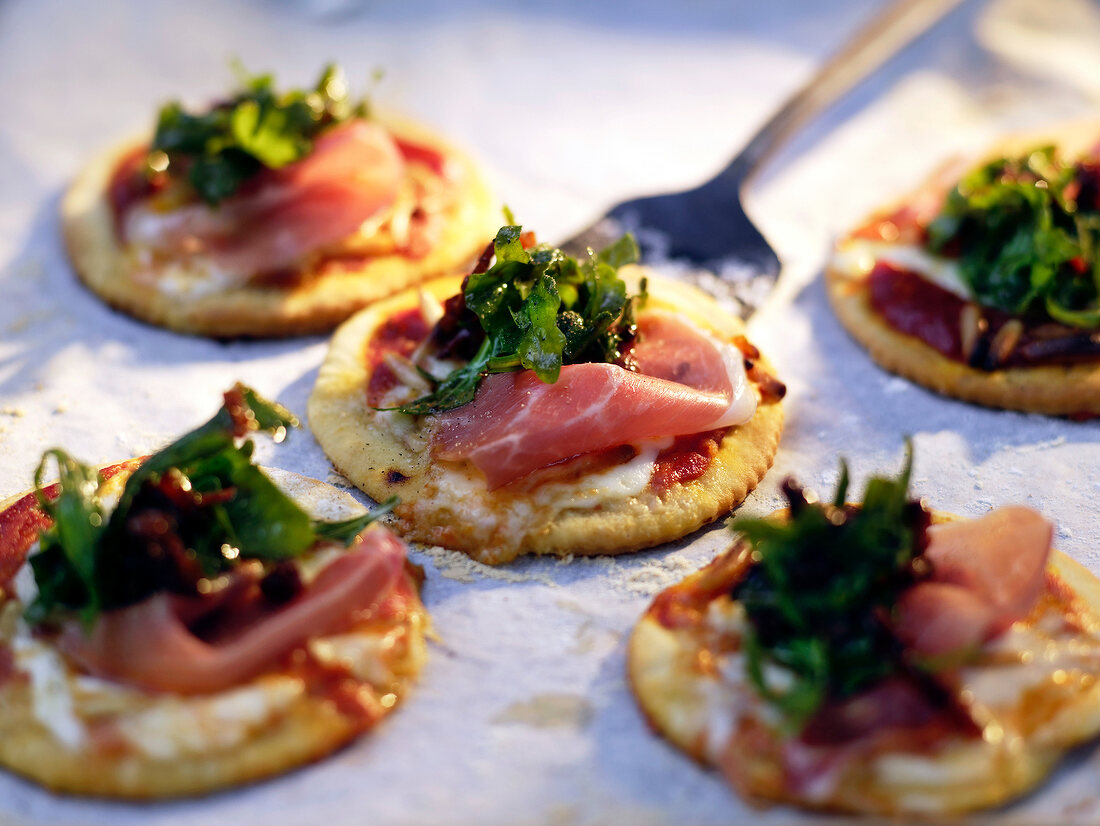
x=1059, y=390
x=1051, y=389
x=447, y=503
x=308, y=731
x=305, y=727
x=672, y=672
x=317, y=304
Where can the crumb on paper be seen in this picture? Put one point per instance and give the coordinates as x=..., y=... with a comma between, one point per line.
x=548, y=711
x=1049, y=443
x=338, y=480
x=590, y=637
x=658, y=575
x=29, y=269
x=14, y=412
x=24, y=322
x=461, y=568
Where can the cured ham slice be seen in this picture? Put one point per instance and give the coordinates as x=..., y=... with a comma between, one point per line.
x=937, y=619
x=686, y=383
x=354, y=172
x=986, y=574
x=150, y=645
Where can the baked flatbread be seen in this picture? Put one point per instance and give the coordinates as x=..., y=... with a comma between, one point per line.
x=1071, y=389
x=74, y=733
x=1033, y=691
x=318, y=296
x=609, y=510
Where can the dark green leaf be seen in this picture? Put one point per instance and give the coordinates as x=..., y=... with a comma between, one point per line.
x=541, y=344
x=1021, y=241
x=457, y=389
x=258, y=128
x=345, y=531
x=815, y=599
x=205, y=493
x=539, y=309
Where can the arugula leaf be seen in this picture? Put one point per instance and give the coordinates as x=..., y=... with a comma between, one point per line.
x=539, y=309
x=219, y=150
x=541, y=343
x=457, y=389
x=816, y=598
x=346, y=530
x=1025, y=242
x=78, y=520
x=187, y=513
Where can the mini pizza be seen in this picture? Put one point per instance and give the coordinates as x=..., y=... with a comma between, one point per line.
x=877, y=658
x=549, y=406
x=986, y=287
x=272, y=214
x=184, y=623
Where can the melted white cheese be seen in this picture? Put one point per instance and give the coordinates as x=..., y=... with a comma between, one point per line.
x=174, y=726
x=51, y=694
x=856, y=257
x=1026, y=658
x=616, y=483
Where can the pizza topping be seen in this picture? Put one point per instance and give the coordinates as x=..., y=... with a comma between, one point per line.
x=172, y=643
x=536, y=310
x=844, y=599
x=819, y=597
x=1026, y=233
x=988, y=573
x=686, y=382
x=688, y=458
x=218, y=151
x=980, y=337
x=187, y=515
x=354, y=172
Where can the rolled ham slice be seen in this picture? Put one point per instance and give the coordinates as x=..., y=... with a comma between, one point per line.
x=353, y=173
x=149, y=644
x=687, y=382
x=986, y=574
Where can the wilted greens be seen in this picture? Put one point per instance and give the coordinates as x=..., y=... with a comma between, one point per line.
x=539, y=309
x=187, y=513
x=218, y=150
x=818, y=596
x=1026, y=232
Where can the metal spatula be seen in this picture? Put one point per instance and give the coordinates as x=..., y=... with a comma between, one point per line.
x=704, y=233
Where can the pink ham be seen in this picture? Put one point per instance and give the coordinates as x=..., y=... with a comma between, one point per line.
x=354, y=172
x=937, y=619
x=687, y=383
x=150, y=646
x=986, y=574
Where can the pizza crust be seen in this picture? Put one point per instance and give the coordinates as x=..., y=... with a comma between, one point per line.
x=674, y=678
x=298, y=729
x=315, y=305
x=448, y=503
x=1058, y=390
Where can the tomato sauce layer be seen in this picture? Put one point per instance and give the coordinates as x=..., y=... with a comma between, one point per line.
x=399, y=335
x=686, y=460
x=981, y=337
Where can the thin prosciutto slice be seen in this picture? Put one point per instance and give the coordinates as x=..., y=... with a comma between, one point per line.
x=986, y=574
x=686, y=382
x=353, y=173
x=150, y=645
